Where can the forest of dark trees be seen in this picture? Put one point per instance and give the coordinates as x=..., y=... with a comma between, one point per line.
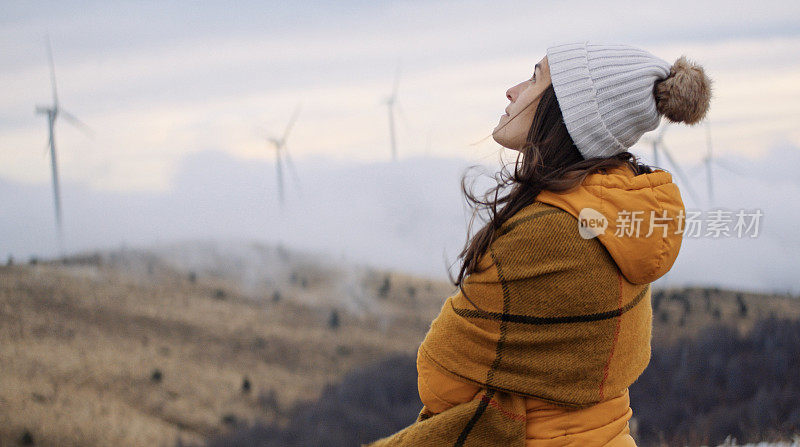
x=697, y=392
x=718, y=384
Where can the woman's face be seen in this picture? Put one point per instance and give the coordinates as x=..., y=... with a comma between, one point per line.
x=512, y=130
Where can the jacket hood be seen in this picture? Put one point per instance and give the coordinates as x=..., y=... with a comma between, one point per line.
x=638, y=218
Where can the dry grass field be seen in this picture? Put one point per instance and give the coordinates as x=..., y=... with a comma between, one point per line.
x=98, y=354
x=134, y=348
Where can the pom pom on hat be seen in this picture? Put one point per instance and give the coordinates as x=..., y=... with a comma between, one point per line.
x=684, y=96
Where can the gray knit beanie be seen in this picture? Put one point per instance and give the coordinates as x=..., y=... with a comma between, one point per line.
x=610, y=95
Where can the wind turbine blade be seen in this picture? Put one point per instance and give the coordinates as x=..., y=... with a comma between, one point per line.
x=291, y=123
x=292, y=168
x=711, y=159
x=56, y=187
x=52, y=72
x=392, y=138
x=679, y=171
x=46, y=148
x=262, y=133
x=77, y=123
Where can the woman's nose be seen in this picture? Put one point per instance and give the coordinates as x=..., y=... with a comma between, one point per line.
x=508, y=95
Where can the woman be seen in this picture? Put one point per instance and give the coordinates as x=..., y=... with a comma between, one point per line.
x=552, y=319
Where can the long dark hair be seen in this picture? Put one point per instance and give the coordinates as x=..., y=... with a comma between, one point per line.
x=550, y=161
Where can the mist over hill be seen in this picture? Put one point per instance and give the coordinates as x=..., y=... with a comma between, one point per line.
x=409, y=215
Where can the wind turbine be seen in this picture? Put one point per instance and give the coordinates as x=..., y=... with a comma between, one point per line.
x=658, y=146
x=280, y=152
x=709, y=159
x=391, y=102
x=53, y=112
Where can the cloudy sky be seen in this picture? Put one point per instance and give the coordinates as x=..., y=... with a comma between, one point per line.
x=164, y=84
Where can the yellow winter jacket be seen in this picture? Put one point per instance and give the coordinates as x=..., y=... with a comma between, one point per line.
x=555, y=325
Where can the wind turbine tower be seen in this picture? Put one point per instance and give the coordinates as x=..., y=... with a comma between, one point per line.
x=710, y=160
x=280, y=153
x=53, y=112
x=391, y=102
x=659, y=146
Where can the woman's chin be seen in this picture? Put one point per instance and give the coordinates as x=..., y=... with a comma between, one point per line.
x=498, y=138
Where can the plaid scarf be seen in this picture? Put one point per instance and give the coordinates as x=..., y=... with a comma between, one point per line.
x=549, y=315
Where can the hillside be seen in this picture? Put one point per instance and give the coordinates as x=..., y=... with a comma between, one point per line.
x=148, y=347
x=126, y=349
